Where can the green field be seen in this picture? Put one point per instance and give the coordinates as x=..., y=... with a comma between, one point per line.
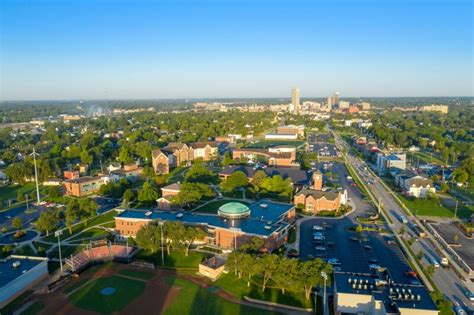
x=11, y=191
x=144, y=275
x=193, y=299
x=425, y=207
x=175, y=260
x=93, y=232
x=213, y=206
x=105, y=217
x=239, y=288
x=90, y=298
x=264, y=144
x=425, y=157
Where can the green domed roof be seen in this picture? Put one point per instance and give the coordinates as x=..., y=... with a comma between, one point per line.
x=234, y=209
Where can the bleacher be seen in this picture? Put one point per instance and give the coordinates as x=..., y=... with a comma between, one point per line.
x=103, y=252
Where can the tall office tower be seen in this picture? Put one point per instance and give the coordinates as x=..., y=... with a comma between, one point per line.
x=295, y=99
x=333, y=100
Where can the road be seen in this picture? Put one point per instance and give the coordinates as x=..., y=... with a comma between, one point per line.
x=444, y=279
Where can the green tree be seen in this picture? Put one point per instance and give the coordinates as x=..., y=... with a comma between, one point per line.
x=54, y=192
x=72, y=215
x=88, y=208
x=199, y=173
x=268, y=265
x=17, y=223
x=258, y=178
x=149, y=237
x=430, y=270
x=47, y=221
x=128, y=195
x=148, y=194
x=236, y=180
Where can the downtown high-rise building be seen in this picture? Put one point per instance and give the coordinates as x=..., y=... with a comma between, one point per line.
x=295, y=99
x=333, y=100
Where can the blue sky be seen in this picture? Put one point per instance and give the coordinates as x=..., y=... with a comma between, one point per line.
x=77, y=49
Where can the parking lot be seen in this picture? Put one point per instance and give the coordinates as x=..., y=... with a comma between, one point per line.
x=464, y=247
x=324, y=149
x=350, y=251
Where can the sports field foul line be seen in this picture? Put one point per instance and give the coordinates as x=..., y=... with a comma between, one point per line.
x=90, y=280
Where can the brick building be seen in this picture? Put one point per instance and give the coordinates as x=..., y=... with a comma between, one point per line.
x=82, y=186
x=179, y=154
x=276, y=156
x=232, y=227
x=167, y=192
x=314, y=201
x=70, y=174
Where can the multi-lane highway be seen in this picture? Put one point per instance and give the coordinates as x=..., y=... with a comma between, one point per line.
x=444, y=279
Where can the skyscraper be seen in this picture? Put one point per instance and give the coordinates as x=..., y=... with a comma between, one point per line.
x=333, y=100
x=295, y=99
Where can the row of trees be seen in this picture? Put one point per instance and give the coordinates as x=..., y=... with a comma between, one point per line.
x=176, y=236
x=261, y=183
x=285, y=274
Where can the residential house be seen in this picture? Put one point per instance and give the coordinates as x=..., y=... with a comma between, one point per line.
x=414, y=185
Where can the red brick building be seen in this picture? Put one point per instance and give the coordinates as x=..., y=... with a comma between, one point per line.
x=314, y=201
x=277, y=156
x=82, y=186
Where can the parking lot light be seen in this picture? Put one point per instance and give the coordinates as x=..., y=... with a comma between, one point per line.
x=58, y=233
x=325, y=277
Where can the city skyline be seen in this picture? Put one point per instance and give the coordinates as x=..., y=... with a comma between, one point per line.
x=240, y=49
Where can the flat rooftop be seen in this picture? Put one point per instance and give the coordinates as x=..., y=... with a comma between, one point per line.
x=393, y=296
x=8, y=273
x=264, y=219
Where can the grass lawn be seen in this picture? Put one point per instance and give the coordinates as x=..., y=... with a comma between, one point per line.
x=144, y=275
x=213, y=206
x=76, y=283
x=94, y=232
x=175, y=260
x=193, y=299
x=90, y=298
x=239, y=288
x=34, y=308
x=105, y=217
x=426, y=157
x=11, y=191
x=264, y=144
x=425, y=207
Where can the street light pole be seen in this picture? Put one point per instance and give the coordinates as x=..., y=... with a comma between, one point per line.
x=325, y=277
x=58, y=234
x=36, y=176
x=162, y=252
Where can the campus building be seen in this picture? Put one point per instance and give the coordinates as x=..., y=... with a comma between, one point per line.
x=314, y=201
x=435, y=108
x=82, y=186
x=234, y=224
x=291, y=129
x=277, y=156
x=179, y=154
x=368, y=294
x=19, y=274
x=167, y=192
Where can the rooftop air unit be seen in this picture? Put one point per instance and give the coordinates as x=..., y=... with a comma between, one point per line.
x=264, y=205
x=148, y=213
x=16, y=264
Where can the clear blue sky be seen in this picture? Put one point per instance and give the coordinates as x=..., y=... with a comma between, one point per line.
x=77, y=49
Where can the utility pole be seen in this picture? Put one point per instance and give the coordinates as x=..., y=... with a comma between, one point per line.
x=36, y=177
x=162, y=252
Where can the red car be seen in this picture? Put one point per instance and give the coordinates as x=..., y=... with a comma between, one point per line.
x=410, y=273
